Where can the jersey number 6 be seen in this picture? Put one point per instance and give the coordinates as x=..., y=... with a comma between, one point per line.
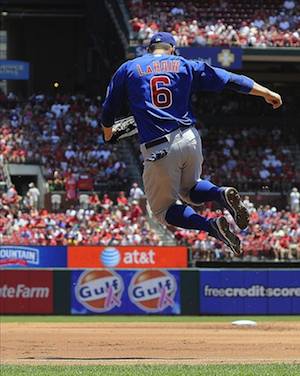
x=161, y=96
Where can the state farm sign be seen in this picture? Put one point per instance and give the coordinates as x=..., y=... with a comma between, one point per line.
x=23, y=291
x=26, y=291
x=127, y=257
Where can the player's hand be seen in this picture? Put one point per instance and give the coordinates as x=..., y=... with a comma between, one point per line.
x=112, y=140
x=274, y=99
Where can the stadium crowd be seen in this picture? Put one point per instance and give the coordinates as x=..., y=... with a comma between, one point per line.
x=255, y=158
x=272, y=235
x=254, y=150
x=250, y=158
x=62, y=135
x=218, y=23
x=104, y=221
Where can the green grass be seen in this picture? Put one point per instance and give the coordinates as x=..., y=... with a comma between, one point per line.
x=181, y=319
x=176, y=370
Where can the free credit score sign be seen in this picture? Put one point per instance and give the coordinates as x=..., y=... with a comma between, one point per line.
x=127, y=257
x=254, y=291
x=26, y=291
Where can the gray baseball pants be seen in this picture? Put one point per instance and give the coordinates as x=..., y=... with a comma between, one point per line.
x=169, y=180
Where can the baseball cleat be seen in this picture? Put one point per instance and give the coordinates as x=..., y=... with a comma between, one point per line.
x=221, y=231
x=233, y=203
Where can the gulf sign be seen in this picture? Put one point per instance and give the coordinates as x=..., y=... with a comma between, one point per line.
x=107, y=291
x=152, y=290
x=127, y=257
x=99, y=290
x=26, y=291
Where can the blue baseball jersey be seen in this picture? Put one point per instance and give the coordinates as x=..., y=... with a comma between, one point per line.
x=159, y=89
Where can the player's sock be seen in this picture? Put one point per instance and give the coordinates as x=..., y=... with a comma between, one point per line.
x=205, y=191
x=184, y=216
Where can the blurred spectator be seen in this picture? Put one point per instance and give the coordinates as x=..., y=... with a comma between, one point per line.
x=94, y=202
x=175, y=11
x=248, y=204
x=136, y=193
x=122, y=200
x=56, y=200
x=289, y=4
x=136, y=211
x=106, y=202
x=33, y=196
x=294, y=200
x=11, y=199
x=71, y=187
x=11, y=194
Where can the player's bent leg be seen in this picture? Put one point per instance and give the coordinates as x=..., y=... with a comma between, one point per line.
x=204, y=191
x=161, y=180
x=185, y=217
x=222, y=232
x=231, y=200
x=228, y=197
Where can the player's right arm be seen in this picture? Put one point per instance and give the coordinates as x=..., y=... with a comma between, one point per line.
x=115, y=95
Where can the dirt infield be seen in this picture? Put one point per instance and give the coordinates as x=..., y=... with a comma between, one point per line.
x=119, y=343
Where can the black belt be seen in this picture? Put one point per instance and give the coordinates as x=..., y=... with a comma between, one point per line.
x=161, y=140
x=158, y=141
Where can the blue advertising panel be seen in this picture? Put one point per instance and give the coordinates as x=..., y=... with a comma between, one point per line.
x=260, y=291
x=142, y=292
x=13, y=256
x=222, y=57
x=14, y=70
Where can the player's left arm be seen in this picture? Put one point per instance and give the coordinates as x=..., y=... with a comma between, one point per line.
x=115, y=95
x=246, y=85
x=216, y=79
x=269, y=96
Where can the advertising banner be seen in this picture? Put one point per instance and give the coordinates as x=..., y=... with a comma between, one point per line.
x=32, y=256
x=257, y=291
x=26, y=291
x=127, y=257
x=14, y=70
x=222, y=57
x=133, y=292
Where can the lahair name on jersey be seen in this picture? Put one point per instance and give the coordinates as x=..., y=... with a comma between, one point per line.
x=159, y=67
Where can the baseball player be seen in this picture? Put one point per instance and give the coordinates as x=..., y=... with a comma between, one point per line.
x=158, y=87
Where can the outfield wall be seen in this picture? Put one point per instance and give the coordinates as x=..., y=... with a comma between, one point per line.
x=150, y=291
